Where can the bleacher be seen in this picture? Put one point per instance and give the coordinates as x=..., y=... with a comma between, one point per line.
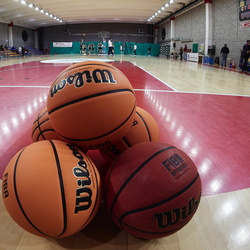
x=8, y=54
x=11, y=53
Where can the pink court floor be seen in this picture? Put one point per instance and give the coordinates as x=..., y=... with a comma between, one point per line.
x=212, y=129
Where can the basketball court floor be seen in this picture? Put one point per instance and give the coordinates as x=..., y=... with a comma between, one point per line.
x=201, y=109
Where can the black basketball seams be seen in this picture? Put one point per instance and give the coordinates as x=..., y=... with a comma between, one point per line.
x=39, y=116
x=43, y=132
x=17, y=197
x=103, y=135
x=108, y=178
x=97, y=195
x=161, y=202
x=135, y=172
x=89, y=97
x=145, y=125
x=39, y=128
x=61, y=188
x=60, y=177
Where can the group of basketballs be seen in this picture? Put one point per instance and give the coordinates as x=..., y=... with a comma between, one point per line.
x=52, y=188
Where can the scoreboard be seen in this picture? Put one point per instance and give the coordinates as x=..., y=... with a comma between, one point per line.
x=244, y=10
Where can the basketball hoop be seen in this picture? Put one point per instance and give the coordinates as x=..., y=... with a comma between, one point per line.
x=104, y=35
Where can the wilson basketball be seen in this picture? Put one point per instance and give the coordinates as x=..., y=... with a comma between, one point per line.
x=51, y=189
x=42, y=129
x=144, y=128
x=91, y=104
x=152, y=190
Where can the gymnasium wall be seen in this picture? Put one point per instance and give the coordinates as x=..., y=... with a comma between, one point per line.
x=4, y=33
x=17, y=36
x=138, y=33
x=18, y=39
x=226, y=28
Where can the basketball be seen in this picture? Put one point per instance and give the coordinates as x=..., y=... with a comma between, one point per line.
x=144, y=128
x=152, y=190
x=91, y=104
x=51, y=189
x=42, y=129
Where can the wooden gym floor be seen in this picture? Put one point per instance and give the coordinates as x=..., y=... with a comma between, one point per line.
x=201, y=109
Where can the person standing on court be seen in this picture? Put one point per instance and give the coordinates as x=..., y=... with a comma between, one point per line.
x=185, y=51
x=224, y=53
x=149, y=50
x=135, y=49
x=181, y=52
x=245, y=55
x=110, y=46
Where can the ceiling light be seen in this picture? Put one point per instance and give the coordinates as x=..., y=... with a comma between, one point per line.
x=30, y=5
x=36, y=8
x=166, y=5
x=23, y=2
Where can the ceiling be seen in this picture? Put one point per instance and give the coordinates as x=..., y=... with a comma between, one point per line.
x=82, y=11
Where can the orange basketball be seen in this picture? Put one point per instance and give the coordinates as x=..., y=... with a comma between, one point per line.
x=152, y=190
x=143, y=129
x=91, y=104
x=42, y=129
x=51, y=189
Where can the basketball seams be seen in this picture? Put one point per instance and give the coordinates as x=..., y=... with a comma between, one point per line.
x=89, y=97
x=126, y=142
x=110, y=132
x=145, y=125
x=108, y=178
x=60, y=178
x=43, y=132
x=161, y=202
x=97, y=196
x=39, y=128
x=134, y=173
x=17, y=197
x=39, y=116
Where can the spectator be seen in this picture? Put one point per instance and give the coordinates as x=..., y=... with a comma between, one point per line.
x=245, y=55
x=224, y=53
x=149, y=50
x=185, y=51
x=181, y=52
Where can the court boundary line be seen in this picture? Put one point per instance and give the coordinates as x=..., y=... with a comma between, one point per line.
x=165, y=83
x=141, y=90
x=185, y=92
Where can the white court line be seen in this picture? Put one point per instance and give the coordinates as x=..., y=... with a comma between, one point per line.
x=142, y=90
x=186, y=92
x=167, y=84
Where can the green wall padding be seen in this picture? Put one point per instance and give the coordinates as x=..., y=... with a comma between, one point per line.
x=93, y=48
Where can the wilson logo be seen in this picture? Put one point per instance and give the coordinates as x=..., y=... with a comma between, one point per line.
x=81, y=78
x=81, y=172
x=172, y=217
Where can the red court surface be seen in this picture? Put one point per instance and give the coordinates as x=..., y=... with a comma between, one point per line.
x=212, y=129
